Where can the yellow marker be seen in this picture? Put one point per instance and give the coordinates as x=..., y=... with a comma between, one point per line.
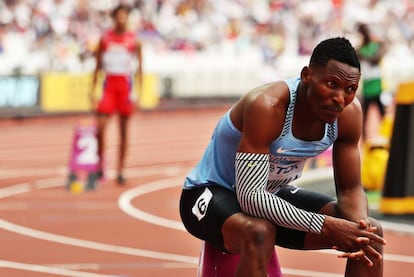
x=76, y=187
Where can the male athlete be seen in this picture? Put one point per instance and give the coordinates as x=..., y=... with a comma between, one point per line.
x=116, y=52
x=238, y=197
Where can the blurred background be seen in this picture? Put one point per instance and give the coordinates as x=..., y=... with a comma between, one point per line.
x=196, y=54
x=191, y=48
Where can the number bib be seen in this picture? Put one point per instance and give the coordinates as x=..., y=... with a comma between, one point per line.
x=84, y=154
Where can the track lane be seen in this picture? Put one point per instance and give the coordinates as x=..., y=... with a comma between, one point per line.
x=37, y=164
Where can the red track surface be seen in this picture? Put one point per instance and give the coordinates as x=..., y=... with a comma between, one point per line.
x=134, y=230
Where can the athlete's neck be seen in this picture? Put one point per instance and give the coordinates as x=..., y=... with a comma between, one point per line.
x=120, y=29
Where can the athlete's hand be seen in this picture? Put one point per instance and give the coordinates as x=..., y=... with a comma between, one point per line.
x=358, y=255
x=350, y=237
x=367, y=253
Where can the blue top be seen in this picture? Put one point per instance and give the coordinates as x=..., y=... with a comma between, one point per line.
x=287, y=153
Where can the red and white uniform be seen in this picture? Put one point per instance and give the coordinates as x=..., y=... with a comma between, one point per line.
x=118, y=55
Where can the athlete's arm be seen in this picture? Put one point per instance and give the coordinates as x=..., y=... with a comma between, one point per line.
x=261, y=118
x=351, y=199
x=261, y=122
x=139, y=68
x=352, y=202
x=98, y=60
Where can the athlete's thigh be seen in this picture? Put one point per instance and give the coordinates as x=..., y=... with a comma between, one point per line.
x=307, y=200
x=107, y=103
x=203, y=212
x=102, y=121
x=125, y=104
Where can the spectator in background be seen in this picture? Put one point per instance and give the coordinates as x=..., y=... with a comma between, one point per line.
x=370, y=53
x=117, y=49
x=182, y=25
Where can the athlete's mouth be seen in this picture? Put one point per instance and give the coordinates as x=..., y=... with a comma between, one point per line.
x=334, y=109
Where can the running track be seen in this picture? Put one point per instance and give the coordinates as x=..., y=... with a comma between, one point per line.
x=134, y=230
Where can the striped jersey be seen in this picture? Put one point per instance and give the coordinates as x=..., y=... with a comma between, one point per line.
x=287, y=154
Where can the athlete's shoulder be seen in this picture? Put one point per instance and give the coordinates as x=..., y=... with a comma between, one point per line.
x=273, y=95
x=262, y=104
x=353, y=109
x=108, y=33
x=131, y=39
x=107, y=36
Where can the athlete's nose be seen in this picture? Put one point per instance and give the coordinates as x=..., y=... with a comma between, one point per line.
x=339, y=98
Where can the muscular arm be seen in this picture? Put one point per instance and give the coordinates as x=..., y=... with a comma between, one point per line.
x=352, y=203
x=351, y=200
x=252, y=170
x=261, y=120
x=98, y=58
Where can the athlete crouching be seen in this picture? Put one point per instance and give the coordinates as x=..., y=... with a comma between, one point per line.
x=239, y=198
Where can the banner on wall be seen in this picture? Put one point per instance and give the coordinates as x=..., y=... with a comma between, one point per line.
x=63, y=92
x=19, y=94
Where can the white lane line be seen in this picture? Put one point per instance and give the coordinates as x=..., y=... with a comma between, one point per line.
x=26, y=187
x=401, y=228
x=100, y=266
x=387, y=256
x=307, y=273
x=30, y=172
x=124, y=202
x=399, y=258
x=93, y=245
x=49, y=270
x=49, y=183
x=15, y=189
x=21, y=188
x=78, y=266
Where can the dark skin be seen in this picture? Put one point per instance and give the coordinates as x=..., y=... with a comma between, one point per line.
x=324, y=95
x=120, y=26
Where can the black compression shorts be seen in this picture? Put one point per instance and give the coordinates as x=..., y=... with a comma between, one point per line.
x=203, y=212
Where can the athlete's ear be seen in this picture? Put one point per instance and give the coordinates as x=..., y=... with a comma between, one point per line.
x=305, y=74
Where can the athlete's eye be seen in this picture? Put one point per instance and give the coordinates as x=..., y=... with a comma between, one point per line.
x=351, y=89
x=332, y=84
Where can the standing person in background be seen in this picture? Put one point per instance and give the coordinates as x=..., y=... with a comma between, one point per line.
x=117, y=50
x=370, y=54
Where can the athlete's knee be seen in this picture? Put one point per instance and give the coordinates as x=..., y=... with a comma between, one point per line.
x=258, y=235
x=246, y=234
x=378, y=227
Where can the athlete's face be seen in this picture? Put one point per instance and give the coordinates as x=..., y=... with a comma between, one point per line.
x=121, y=19
x=331, y=89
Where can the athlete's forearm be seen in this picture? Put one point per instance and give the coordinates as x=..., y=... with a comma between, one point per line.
x=252, y=171
x=140, y=75
x=352, y=204
x=140, y=78
x=98, y=67
x=94, y=79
